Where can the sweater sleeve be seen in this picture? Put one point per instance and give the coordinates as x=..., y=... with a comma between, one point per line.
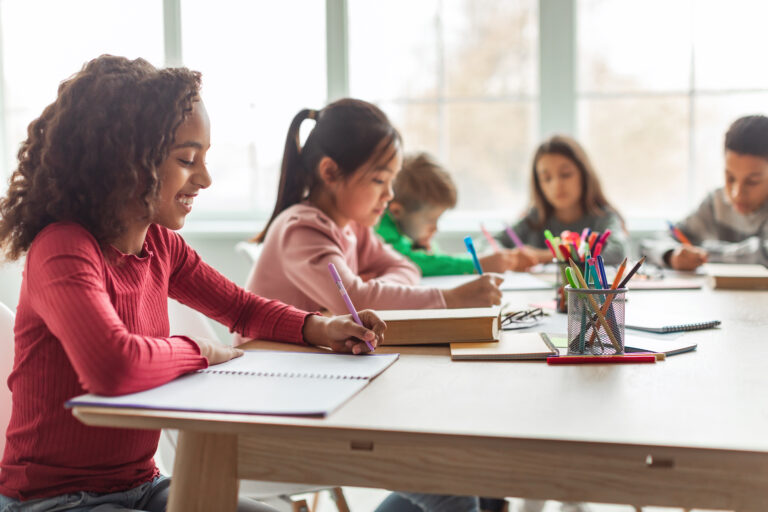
x=310, y=251
x=66, y=284
x=198, y=285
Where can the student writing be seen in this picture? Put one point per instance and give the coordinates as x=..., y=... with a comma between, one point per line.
x=332, y=192
x=107, y=172
x=423, y=191
x=566, y=195
x=730, y=224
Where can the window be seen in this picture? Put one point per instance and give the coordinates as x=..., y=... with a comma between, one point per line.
x=659, y=83
x=459, y=78
x=262, y=62
x=39, y=51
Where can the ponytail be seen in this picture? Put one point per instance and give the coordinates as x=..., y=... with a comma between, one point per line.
x=349, y=131
x=294, y=178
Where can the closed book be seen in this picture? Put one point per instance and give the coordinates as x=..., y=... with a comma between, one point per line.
x=511, y=346
x=432, y=326
x=727, y=276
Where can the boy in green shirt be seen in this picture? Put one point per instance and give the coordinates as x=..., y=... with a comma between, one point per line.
x=423, y=192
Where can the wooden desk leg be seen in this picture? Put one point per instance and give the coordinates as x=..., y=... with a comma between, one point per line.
x=204, y=473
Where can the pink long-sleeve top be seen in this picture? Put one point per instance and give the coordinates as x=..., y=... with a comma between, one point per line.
x=302, y=241
x=93, y=321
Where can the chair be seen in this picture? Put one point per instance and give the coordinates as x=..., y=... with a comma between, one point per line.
x=6, y=365
x=249, y=250
x=187, y=321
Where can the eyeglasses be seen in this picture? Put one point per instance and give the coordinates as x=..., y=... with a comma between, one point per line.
x=522, y=319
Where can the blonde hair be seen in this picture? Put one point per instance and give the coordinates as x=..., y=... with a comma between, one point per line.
x=592, y=199
x=423, y=181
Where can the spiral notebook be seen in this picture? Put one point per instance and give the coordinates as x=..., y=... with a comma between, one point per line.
x=271, y=383
x=664, y=325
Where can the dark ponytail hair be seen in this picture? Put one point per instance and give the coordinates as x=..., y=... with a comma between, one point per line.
x=351, y=132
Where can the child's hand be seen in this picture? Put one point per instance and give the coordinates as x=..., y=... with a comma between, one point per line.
x=215, y=352
x=542, y=255
x=482, y=292
x=342, y=334
x=687, y=257
x=517, y=260
x=523, y=259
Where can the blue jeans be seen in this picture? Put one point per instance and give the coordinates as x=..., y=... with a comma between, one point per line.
x=419, y=502
x=149, y=497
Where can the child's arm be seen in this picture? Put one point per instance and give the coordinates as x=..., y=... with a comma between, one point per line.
x=198, y=285
x=66, y=286
x=309, y=250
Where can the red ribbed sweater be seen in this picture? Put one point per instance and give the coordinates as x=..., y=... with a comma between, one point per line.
x=90, y=323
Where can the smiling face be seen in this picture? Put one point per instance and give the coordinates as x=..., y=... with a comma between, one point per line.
x=363, y=196
x=746, y=181
x=184, y=171
x=560, y=180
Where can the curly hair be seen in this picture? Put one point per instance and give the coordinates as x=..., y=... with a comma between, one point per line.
x=96, y=150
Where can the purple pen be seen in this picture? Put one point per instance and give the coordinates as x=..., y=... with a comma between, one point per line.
x=516, y=239
x=337, y=278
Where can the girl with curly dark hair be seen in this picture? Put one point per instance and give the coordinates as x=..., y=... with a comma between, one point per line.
x=106, y=174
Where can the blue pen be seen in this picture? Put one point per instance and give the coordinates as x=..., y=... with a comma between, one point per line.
x=601, y=267
x=473, y=253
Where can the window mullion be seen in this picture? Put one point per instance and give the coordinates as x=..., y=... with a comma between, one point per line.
x=557, y=67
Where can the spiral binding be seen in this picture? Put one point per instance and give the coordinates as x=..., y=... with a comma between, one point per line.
x=290, y=375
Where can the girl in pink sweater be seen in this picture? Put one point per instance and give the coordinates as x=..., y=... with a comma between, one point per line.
x=107, y=172
x=332, y=191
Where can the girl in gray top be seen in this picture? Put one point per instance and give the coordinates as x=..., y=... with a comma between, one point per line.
x=731, y=224
x=567, y=195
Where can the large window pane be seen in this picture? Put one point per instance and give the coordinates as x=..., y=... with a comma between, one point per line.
x=626, y=45
x=639, y=147
x=261, y=64
x=459, y=80
x=490, y=47
x=730, y=44
x=46, y=41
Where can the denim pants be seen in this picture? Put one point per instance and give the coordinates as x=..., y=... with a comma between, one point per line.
x=148, y=497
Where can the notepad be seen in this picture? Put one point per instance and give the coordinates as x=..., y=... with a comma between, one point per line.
x=663, y=325
x=737, y=277
x=271, y=383
x=430, y=326
x=669, y=347
x=512, y=346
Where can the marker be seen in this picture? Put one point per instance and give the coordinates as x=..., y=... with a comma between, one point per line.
x=490, y=239
x=515, y=239
x=337, y=278
x=552, y=249
x=473, y=253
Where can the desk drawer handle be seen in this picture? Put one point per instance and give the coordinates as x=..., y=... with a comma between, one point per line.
x=365, y=446
x=656, y=462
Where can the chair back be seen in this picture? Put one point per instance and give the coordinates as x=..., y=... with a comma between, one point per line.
x=7, y=319
x=249, y=250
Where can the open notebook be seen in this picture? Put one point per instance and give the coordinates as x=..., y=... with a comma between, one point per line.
x=275, y=383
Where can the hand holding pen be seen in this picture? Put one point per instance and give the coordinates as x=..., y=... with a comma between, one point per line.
x=345, y=334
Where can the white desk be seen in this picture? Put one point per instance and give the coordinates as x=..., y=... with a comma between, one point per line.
x=691, y=431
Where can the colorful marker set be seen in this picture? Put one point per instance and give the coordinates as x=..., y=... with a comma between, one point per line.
x=571, y=245
x=590, y=310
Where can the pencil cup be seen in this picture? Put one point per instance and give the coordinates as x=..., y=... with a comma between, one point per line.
x=561, y=300
x=595, y=321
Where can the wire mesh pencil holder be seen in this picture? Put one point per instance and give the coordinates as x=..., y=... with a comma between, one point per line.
x=561, y=300
x=595, y=321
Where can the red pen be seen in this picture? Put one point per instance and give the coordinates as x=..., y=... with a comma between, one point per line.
x=552, y=249
x=565, y=252
x=598, y=249
x=615, y=359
